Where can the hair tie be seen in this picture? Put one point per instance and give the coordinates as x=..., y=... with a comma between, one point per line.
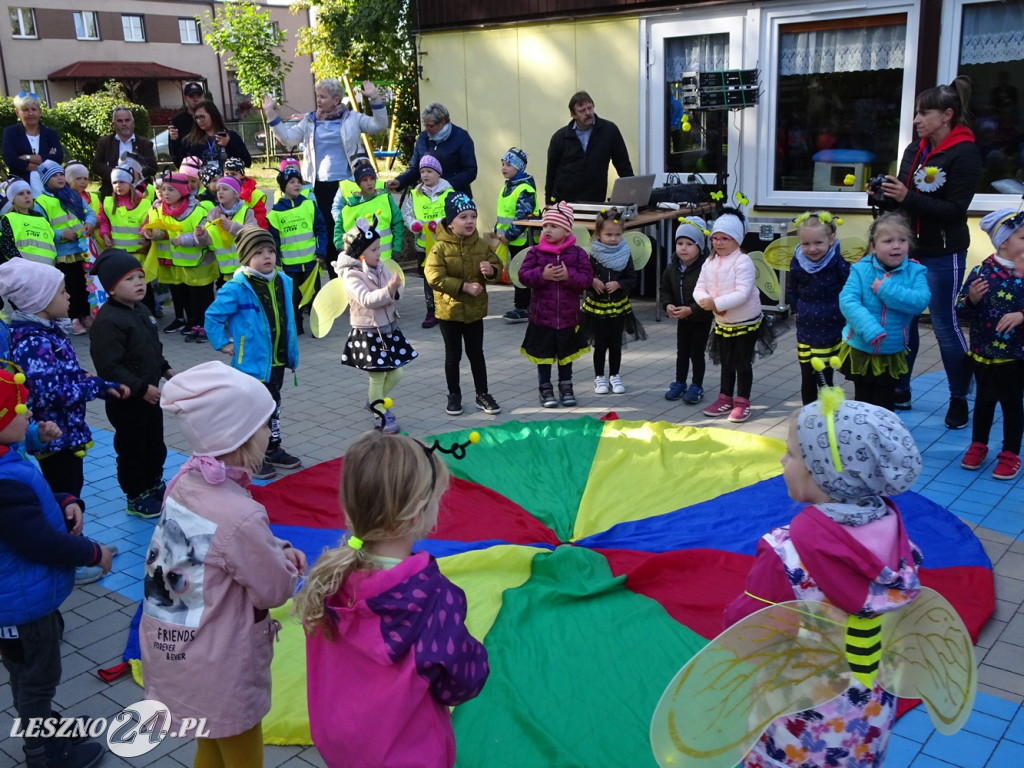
x=355, y=542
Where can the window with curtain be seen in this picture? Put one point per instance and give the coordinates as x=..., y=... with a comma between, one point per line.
x=840, y=83
x=992, y=55
x=702, y=149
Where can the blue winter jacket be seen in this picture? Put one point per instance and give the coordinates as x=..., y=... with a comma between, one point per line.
x=879, y=322
x=237, y=315
x=456, y=155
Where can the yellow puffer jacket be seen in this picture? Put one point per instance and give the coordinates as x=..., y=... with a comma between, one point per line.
x=452, y=262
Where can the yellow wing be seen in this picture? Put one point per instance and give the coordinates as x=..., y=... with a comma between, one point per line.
x=928, y=655
x=783, y=659
x=640, y=248
x=765, y=277
x=779, y=253
x=169, y=226
x=394, y=268
x=328, y=305
x=514, y=265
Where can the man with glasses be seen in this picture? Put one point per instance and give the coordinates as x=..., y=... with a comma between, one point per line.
x=110, y=149
x=181, y=124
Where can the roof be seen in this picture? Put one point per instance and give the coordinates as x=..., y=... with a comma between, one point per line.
x=461, y=14
x=121, y=70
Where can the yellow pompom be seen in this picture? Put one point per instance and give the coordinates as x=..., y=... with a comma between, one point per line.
x=388, y=402
x=839, y=222
x=19, y=378
x=831, y=398
x=20, y=408
x=848, y=180
x=681, y=219
x=474, y=437
x=687, y=127
x=817, y=364
x=79, y=454
x=379, y=211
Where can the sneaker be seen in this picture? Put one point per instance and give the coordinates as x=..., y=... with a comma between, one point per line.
x=64, y=753
x=279, y=457
x=177, y=324
x=694, y=394
x=77, y=329
x=145, y=506
x=1007, y=466
x=390, y=424
x=902, y=400
x=547, y=396
x=87, y=574
x=566, y=394
x=488, y=404
x=516, y=315
x=200, y=335
x=192, y=333
x=675, y=390
x=454, y=407
x=975, y=456
x=265, y=472
x=429, y=321
x=721, y=407
x=618, y=387
x=956, y=416
x=601, y=385
x=740, y=410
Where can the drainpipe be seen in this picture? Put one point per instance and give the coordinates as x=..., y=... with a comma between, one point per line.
x=220, y=71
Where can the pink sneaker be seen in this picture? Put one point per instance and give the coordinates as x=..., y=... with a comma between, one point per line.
x=740, y=411
x=1007, y=466
x=721, y=407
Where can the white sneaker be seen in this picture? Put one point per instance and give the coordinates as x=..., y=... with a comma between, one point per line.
x=600, y=385
x=617, y=386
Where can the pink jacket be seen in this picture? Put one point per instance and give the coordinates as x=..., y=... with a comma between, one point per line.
x=370, y=303
x=729, y=280
x=378, y=693
x=213, y=570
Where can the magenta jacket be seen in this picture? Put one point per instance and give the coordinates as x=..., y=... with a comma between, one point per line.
x=556, y=305
x=379, y=692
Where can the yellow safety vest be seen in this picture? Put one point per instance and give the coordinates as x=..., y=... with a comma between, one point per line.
x=278, y=194
x=507, y=210
x=93, y=202
x=295, y=228
x=125, y=224
x=59, y=218
x=375, y=206
x=189, y=255
x=426, y=210
x=33, y=237
x=224, y=243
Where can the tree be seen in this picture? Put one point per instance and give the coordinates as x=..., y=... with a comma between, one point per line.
x=368, y=40
x=245, y=32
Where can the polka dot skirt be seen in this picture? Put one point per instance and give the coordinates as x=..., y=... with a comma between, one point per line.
x=375, y=351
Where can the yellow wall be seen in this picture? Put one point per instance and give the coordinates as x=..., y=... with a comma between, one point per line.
x=511, y=87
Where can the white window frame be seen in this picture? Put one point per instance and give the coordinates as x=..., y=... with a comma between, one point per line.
x=81, y=32
x=760, y=154
x=39, y=87
x=949, y=62
x=193, y=24
x=124, y=29
x=21, y=35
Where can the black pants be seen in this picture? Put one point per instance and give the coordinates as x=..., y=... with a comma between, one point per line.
x=74, y=282
x=63, y=472
x=809, y=382
x=274, y=387
x=608, y=339
x=138, y=443
x=179, y=300
x=544, y=373
x=691, y=341
x=33, y=663
x=877, y=389
x=198, y=298
x=738, y=364
x=456, y=335
x=1001, y=383
x=324, y=192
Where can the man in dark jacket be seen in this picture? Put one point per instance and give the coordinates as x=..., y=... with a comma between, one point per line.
x=110, y=148
x=579, y=153
x=181, y=123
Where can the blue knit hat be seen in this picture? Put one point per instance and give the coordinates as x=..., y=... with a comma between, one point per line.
x=516, y=158
x=48, y=169
x=999, y=225
x=456, y=204
x=696, y=229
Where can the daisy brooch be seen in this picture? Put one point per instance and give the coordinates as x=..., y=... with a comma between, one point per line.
x=929, y=178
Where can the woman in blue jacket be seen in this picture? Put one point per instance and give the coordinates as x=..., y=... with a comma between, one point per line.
x=451, y=145
x=27, y=143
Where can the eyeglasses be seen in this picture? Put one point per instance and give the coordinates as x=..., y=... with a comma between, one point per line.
x=722, y=239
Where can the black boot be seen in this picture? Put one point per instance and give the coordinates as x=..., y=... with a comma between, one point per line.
x=61, y=753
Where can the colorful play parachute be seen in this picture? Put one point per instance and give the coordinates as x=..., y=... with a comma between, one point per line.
x=597, y=558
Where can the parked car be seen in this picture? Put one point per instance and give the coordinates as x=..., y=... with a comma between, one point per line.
x=260, y=140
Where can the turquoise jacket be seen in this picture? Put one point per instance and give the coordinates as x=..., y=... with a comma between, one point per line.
x=878, y=322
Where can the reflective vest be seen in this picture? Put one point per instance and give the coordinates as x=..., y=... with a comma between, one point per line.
x=375, y=206
x=507, y=211
x=426, y=210
x=295, y=228
x=279, y=195
x=93, y=202
x=59, y=218
x=189, y=255
x=224, y=243
x=163, y=247
x=33, y=237
x=125, y=224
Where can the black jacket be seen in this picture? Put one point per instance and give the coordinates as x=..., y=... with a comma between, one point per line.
x=575, y=176
x=677, y=288
x=184, y=122
x=125, y=346
x=108, y=150
x=15, y=144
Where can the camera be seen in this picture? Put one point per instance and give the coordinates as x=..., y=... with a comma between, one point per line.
x=875, y=194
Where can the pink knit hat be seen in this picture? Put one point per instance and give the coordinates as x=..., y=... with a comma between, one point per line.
x=561, y=215
x=29, y=285
x=217, y=407
x=190, y=167
x=429, y=161
x=227, y=181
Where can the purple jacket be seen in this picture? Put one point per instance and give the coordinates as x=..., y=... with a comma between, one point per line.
x=556, y=304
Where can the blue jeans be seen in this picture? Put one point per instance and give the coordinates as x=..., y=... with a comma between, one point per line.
x=945, y=276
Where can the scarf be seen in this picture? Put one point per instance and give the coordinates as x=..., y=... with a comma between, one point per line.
x=69, y=199
x=326, y=117
x=265, y=276
x=176, y=210
x=442, y=135
x=229, y=212
x=611, y=257
x=213, y=470
x=129, y=202
x=556, y=248
x=434, y=191
x=810, y=267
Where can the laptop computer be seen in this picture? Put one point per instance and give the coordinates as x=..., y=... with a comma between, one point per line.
x=632, y=190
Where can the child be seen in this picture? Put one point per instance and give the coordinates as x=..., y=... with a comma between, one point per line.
x=72, y=222
x=457, y=268
x=254, y=197
x=40, y=545
x=607, y=314
x=255, y=309
x=290, y=161
x=557, y=270
x=847, y=547
x=817, y=273
x=386, y=622
x=214, y=570
x=77, y=176
x=224, y=221
x=122, y=214
x=424, y=208
x=884, y=292
x=694, y=326
x=206, y=191
x=59, y=387
x=375, y=344
x=125, y=346
x=24, y=230
x=726, y=287
x=370, y=201
x=992, y=300
x=517, y=201
x=300, y=231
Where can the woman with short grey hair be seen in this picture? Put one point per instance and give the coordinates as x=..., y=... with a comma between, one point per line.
x=452, y=147
x=27, y=143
